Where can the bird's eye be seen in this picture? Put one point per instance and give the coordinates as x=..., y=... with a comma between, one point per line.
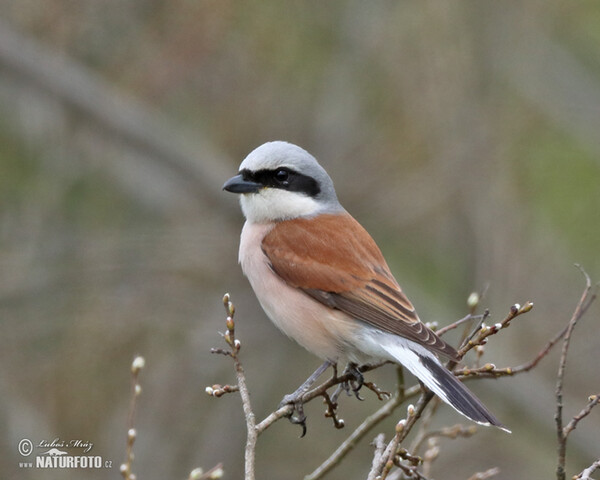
x=282, y=176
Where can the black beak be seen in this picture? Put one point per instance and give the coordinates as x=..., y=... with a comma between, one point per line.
x=237, y=184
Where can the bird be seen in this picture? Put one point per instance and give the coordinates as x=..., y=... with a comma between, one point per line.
x=323, y=281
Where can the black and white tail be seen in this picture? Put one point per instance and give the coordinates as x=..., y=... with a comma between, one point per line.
x=426, y=367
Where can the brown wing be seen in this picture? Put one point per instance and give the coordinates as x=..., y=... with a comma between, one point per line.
x=335, y=261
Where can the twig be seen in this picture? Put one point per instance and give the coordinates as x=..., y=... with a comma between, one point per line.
x=318, y=391
x=479, y=337
x=251, y=433
x=126, y=467
x=213, y=474
x=390, y=455
x=217, y=390
x=468, y=337
x=585, y=474
x=330, y=412
x=484, y=475
x=455, y=431
x=593, y=400
x=584, y=302
x=382, y=468
x=457, y=323
x=509, y=371
x=379, y=443
x=385, y=411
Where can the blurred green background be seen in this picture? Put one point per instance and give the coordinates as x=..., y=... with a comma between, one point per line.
x=465, y=136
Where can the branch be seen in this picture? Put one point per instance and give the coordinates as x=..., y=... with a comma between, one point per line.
x=479, y=336
x=453, y=432
x=381, y=469
x=484, y=475
x=244, y=393
x=509, y=371
x=217, y=390
x=386, y=456
x=319, y=391
x=584, y=302
x=593, y=400
x=253, y=429
x=126, y=470
x=126, y=467
x=214, y=473
x=585, y=474
x=385, y=411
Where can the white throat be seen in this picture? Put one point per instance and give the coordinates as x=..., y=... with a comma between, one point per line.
x=272, y=204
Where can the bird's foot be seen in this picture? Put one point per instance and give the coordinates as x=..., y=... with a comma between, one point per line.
x=296, y=400
x=351, y=386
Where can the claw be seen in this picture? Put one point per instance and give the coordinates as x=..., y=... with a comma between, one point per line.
x=355, y=384
x=297, y=415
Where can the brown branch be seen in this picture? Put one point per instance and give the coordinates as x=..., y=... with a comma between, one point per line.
x=457, y=323
x=480, y=336
x=386, y=456
x=253, y=429
x=251, y=433
x=126, y=467
x=453, y=432
x=509, y=371
x=487, y=372
x=331, y=412
x=593, y=400
x=319, y=391
x=385, y=411
x=213, y=474
x=584, y=302
x=242, y=387
x=381, y=469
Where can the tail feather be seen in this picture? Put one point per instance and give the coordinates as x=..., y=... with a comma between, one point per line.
x=427, y=368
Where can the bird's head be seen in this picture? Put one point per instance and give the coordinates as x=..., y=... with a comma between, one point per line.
x=281, y=181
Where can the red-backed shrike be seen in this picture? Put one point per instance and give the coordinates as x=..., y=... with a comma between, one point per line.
x=323, y=281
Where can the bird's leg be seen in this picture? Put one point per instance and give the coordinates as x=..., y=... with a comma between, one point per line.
x=296, y=397
x=351, y=386
x=297, y=415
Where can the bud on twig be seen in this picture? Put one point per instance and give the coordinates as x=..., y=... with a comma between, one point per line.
x=138, y=364
x=473, y=301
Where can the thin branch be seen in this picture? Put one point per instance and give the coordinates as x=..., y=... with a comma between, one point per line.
x=287, y=410
x=252, y=428
x=385, y=411
x=593, y=400
x=457, y=323
x=453, y=432
x=251, y=433
x=584, y=302
x=487, y=372
x=485, y=475
x=379, y=443
x=479, y=337
x=214, y=473
x=242, y=387
x=390, y=455
x=126, y=467
x=382, y=468
x=586, y=474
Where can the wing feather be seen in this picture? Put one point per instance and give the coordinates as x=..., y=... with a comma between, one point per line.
x=335, y=261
